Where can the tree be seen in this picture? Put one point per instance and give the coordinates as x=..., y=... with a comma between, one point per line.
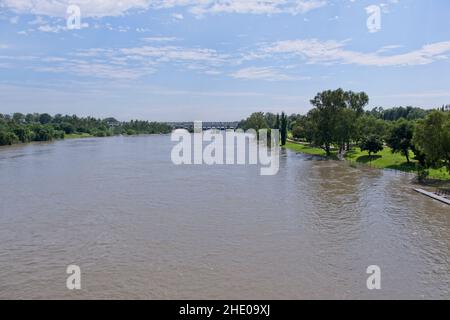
x=30, y=118
x=357, y=101
x=283, y=130
x=18, y=117
x=43, y=133
x=270, y=120
x=298, y=132
x=7, y=138
x=368, y=125
x=408, y=113
x=68, y=128
x=256, y=121
x=372, y=144
x=27, y=128
x=355, y=108
x=432, y=138
x=294, y=120
x=346, y=128
x=45, y=118
x=23, y=133
x=400, y=138
x=333, y=118
x=324, y=117
x=277, y=122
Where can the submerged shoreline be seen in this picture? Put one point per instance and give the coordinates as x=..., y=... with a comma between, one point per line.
x=438, y=178
x=385, y=160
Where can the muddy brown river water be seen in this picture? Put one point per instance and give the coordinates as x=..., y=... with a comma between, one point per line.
x=140, y=227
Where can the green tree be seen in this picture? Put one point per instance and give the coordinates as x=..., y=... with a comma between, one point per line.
x=23, y=134
x=43, y=133
x=325, y=116
x=18, y=117
x=45, y=118
x=368, y=125
x=7, y=138
x=283, y=130
x=346, y=128
x=271, y=120
x=432, y=138
x=30, y=118
x=256, y=121
x=298, y=132
x=372, y=144
x=400, y=138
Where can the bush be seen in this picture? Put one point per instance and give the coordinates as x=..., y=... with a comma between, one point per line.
x=422, y=173
x=7, y=138
x=99, y=134
x=298, y=133
x=43, y=133
x=23, y=134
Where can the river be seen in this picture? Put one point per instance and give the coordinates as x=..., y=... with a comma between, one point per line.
x=140, y=227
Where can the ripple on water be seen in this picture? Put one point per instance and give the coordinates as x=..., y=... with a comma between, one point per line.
x=140, y=227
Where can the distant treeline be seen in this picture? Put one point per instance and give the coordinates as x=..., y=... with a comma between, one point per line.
x=408, y=113
x=18, y=127
x=338, y=121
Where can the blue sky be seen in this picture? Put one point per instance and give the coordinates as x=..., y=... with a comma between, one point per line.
x=173, y=60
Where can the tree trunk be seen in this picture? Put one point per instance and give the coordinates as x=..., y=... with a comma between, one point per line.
x=407, y=156
x=327, y=149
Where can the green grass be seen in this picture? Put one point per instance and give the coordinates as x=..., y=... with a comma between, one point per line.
x=388, y=160
x=304, y=148
x=77, y=136
x=382, y=160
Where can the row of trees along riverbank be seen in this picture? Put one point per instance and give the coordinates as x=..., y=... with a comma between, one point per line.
x=20, y=128
x=338, y=124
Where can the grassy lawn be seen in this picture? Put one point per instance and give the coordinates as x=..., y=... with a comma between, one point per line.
x=388, y=160
x=382, y=160
x=304, y=148
x=77, y=136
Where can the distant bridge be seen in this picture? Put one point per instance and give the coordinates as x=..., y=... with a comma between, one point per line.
x=206, y=125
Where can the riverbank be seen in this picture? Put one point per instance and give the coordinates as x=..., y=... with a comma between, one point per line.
x=73, y=136
x=78, y=136
x=383, y=160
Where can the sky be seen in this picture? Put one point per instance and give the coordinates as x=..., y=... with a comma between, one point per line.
x=218, y=60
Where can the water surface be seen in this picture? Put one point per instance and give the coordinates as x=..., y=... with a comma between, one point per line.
x=140, y=227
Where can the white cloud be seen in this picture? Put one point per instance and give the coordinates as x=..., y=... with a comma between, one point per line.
x=160, y=39
x=124, y=63
x=94, y=69
x=57, y=28
x=255, y=6
x=14, y=20
x=49, y=28
x=103, y=8
x=38, y=21
x=177, y=16
x=261, y=73
x=176, y=54
x=89, y=8
x=314, y=51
